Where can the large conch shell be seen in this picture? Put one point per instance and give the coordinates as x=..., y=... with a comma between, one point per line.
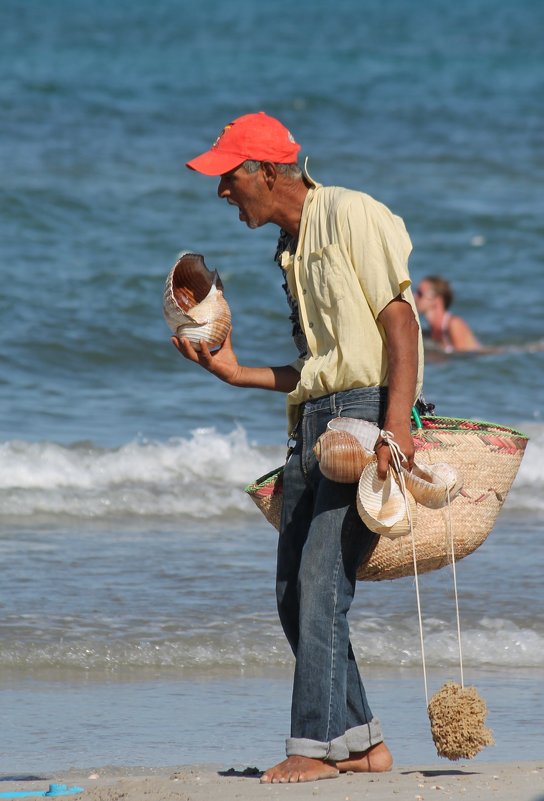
x=193, y=302
x=341, y=456
x=381, y=504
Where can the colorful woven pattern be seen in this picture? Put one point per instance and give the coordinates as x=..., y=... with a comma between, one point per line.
x=267, y=492
x=487, y=457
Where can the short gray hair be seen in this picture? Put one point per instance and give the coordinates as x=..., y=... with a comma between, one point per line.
x=290, y=170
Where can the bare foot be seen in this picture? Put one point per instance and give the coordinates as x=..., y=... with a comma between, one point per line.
x=377, y=759
x=299, y=769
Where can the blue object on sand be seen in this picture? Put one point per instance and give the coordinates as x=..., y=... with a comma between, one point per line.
x=54, y=790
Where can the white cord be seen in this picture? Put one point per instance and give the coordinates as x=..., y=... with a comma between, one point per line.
x=450, y=532
x=398, y=457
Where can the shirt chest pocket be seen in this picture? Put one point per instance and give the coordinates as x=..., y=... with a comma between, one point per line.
x=326, y=276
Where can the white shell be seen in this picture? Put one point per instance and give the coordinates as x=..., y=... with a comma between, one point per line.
x=193, y=302
x=381, y=504
x=367, y=433
x=433, y=484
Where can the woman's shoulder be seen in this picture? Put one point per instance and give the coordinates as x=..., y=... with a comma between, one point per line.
x=461, y=334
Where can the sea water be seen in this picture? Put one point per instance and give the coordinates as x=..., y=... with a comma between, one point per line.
x=137, y=617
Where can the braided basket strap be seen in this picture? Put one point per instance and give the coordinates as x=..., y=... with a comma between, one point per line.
x=462, y=424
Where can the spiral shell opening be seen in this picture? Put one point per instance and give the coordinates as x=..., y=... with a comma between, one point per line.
x=434, y=485
x=381, y=504
x=193, y=303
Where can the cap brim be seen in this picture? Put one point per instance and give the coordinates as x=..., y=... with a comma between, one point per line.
x=215, y=163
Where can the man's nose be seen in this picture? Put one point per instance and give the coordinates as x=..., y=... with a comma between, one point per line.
x=221, y=188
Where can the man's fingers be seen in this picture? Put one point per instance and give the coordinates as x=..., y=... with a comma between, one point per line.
x=385, y=459
x=205, y=354
x=185, y=347
x=383, y=462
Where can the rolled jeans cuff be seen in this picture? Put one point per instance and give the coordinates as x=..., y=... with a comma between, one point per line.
x=355, y=740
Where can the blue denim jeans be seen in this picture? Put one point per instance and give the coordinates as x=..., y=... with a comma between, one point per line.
x=322, y=542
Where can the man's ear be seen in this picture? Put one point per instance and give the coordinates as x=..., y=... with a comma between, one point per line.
x=270, y=173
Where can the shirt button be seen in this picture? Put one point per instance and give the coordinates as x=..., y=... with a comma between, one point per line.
x=311, y=325
x=304, y=291
x=299, y=258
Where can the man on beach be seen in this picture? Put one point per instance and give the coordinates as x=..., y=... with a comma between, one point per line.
x=343, y=257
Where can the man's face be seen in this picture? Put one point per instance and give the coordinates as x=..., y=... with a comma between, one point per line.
x=249, y=192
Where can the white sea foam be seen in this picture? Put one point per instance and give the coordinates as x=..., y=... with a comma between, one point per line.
x=193, y=476
x=488, y=641
x=496, y=643
x=527, y=490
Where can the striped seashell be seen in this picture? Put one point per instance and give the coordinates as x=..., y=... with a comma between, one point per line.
x=381, y=504
x=193, y=302
x=367, y=433
x=341, y=456
x=434, y=485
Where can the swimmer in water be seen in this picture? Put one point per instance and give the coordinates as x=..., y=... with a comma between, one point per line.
x=449, y=332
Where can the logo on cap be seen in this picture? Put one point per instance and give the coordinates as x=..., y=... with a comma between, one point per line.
x=223, y=132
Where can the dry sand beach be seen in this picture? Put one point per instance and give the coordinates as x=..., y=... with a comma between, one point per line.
x=516, y=781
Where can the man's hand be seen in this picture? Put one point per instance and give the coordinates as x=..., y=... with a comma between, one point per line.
x=403, y=437
x=222, y=362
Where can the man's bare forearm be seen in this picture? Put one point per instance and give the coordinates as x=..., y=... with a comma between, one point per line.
x=402, y=331
x=224, y=364
x=280, y=379
x=402, y=354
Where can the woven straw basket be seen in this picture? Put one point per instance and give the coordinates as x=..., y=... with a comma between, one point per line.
x=487, y=457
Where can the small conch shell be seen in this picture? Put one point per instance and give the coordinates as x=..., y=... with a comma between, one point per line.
x=434, y=484
x=193, y=302
x=381, y=504
x=341, y=456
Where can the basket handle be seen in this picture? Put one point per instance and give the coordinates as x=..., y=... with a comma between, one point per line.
x=416, y=418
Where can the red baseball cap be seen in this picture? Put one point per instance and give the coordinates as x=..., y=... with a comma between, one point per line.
x=254, y=136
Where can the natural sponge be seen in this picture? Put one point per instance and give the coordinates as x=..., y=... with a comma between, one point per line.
x=457, y=716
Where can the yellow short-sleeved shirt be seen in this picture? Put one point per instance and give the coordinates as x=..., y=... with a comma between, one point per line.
x=351, y=260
